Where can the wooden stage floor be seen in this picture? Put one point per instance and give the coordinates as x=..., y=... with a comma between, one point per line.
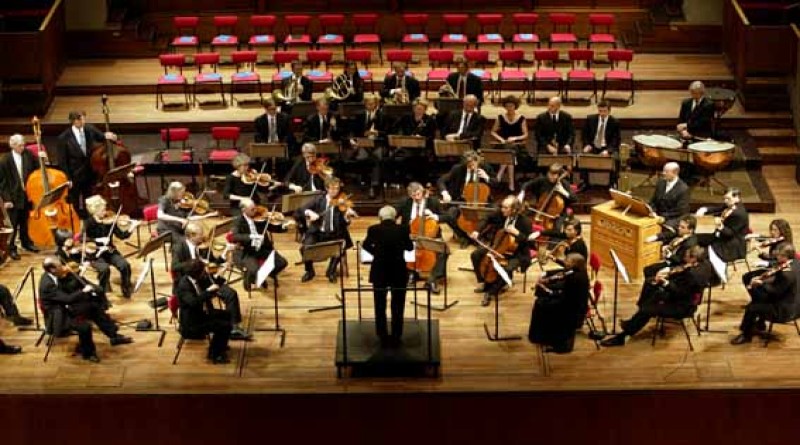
x=469, y=361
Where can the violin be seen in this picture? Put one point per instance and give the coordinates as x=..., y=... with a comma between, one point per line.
x=198, y=206
x=272, y=217
x=771, y=272
x=769, y=242
x=255, y=177
x=124, y=222
x=667, y=272
x=320, y=167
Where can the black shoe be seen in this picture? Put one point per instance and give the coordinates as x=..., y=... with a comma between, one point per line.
x=331, y=276
x=220, y=359
x=480, y=289
x=617, y=340
x=30, y=248
x=486, y=299
x=14, y=254
x=120, y=340
x=308, y=276
x=238, y=334
x=741, y=339
x=10, y=349
x=20, y=321
x=435, y=289
x=92, y=358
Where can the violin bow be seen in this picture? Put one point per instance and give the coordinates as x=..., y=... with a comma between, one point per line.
x=196, y=201
x=255, y=183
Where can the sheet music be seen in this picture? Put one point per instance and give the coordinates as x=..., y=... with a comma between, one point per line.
x=410, y=256
x=265, y=269
x=142, y=276
x=501, y=271
x=366, y=257
x=719, y=265
x=620, y=267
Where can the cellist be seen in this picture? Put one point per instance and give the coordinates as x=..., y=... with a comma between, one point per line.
x=542, y=186
x=471, y=170
x=15, y=167
x=418, y=202
x=510, y=220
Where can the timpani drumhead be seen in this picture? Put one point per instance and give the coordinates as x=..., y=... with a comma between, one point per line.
x=657, y=141
x=711, y=146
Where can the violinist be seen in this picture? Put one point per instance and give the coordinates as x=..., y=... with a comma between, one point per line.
x=731, y=227
x=15, y=167
x=572, y=241
x=321, y=126
x=779, y=232
x=244, y=182
x=306, y=174
x=250, y=232
x=774, y=295
x=189, y=249
x=418, y=202
x=508, y=220
x=175, y=210
x=675, y=245
x=451, y=185
x=562, y=298
x=672, y=293
x=70, y=303
x=10, y=309
x=101, y=228
x=370, y=124
x=413, y=163
x=541, y=187
x=74, y=153
x=328, y=219
x=466, y=124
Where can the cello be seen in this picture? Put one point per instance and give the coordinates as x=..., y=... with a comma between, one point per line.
x=423, y=226
x=550, y=206
x=503, y=244
x=475, y=193
x=109, y=156
x=59, y=215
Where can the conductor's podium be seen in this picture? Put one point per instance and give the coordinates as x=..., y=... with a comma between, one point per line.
x=625, y=231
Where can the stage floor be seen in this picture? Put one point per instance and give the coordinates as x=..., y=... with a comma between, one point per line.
x=469, y=361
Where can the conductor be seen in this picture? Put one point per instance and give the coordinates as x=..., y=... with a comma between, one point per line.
x=386, y=242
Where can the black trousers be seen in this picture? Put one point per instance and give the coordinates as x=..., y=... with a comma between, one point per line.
x=315, y=237
x=82, y=325
x=491, y=288
x=103, y=266
x=218, y=325
x=397, y=306
x=251, y=264
x=757, y=311
x=19, y=225
x=7, y=302
x=653, y=302
x=77, y=195
x=230, y=298
x=651, y=270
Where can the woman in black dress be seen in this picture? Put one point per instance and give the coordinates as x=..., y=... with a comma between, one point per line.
x=779, y=232
x=235, y=187
x=511, y=130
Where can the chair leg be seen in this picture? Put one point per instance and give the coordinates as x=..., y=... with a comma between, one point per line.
x=688, y=337
x=769, y=334
x=796, y=327
x=655, y=332
x=178, y=349
x=51, y=339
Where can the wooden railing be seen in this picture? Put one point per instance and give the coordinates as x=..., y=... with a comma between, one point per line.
x=35, y=57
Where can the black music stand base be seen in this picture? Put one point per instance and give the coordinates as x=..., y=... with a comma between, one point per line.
x=366, y=357
x=496, y=336
x=277, y=327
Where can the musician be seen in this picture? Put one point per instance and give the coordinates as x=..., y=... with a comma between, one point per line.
x=671, y=197
x=235, y=189
x=511, y=130
x=774, y=295
x=732, y=224
x=296, y=88
x=198, y=319
x=74, y=153
x=353, y=83
x=15, y=167
x=386, y=242
x=256, y=244
x=451, y=185
x=10, y=309
x=572, y=241
x=273, y=127
x=370, y=124
x=696, y=117
x=672, y=293
x=555, y=132
x=413, y=163
x=171, y=217
x=510, y=220
x=69, y=304
x=463, y=82
x=410, y=208
x=300, y=177
x=562, y=299
x=326, y=222
x=675, y=245
x=466, y=124
x=99, y=230
x=779, y=232
x=400, y=81
x=321, y=126
x=600, y=133
x=549, y=184
x=6, y=349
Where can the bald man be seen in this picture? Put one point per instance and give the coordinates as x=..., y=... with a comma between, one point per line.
x=696, y=117
x=555, y=132
x=671, y=197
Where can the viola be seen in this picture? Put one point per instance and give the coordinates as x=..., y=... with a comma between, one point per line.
x=320, y=167
x=254, y=177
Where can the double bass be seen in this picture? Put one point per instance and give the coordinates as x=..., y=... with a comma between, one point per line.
x=109, y=156
x=423, y=226
x=43, y=222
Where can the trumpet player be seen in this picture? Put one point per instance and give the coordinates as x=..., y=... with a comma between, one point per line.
x=348, y=86
x=466, y=124
x=371, y=124
x=400, y=86
x=675, y=246
x=295, y=88
x=321, y=126
x=774, y=295
x=464, y=82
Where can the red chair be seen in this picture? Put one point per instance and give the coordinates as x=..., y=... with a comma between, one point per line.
x=213, y=78
x=618, y=57
x=263, y=38
x=512, y=58
x=399, y=55
x=171, y=79
x=221, y=152
x=245, y=63
x=545, y=71
x=525, y=21
x=34, y=148
x=172, y=305
x=415, y=22
x=595, y=263
x=315, y=58
x=331, y=37
x=437, y=58
x=364, y=57
x=295, y=23
x=602, y=23
x=173, y=135
x=150, y=213
x=480, y=58
x=281, y=59
x=226, y=39
x=581, y=70
x=365, y=26
x=562, y=29
x=490, y=36
x=186, y=33
x=455, y=25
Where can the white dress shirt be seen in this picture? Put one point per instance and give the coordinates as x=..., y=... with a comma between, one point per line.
x=80, y=136
x=18, y=163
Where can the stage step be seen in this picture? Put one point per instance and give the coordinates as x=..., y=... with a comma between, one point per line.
x=774, y=136
x=778, y=154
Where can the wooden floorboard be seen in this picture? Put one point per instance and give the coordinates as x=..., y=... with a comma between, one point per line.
x=469, y=361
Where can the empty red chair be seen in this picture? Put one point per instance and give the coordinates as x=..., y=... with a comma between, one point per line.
x=366, y=26
x=619, y=73
x=225, y=140
x=490, y=29
x=581, y=70
x=331, y=26
x=511, y=70
x=316, y=58
x=263, y=37
x=455, y=26
x=186, y=33
x=173, y=77
x=562, y=29
x=525, y=27
x=179, y=136
x=545, y=71
x=201, y=79
x=440, y=61
x=296, y=23
x=245, y=65
x=601, y=29
x=415, y=22
x=226, y=33
x=363, y=57
x=281, y=59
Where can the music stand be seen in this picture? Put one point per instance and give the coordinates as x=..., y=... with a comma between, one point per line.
x=277, y=327
x=629, y=202
x=294, y=201
x=619, y=268
x=117, y=175
x=324, y=251
x=51, y=198
x=546, y=160
x=501, y=156
x=401, y=141
x=150, y=247
x=273, y=152
x=29, y=275
x=439, y=247
x=303, y=109
x=396, y=111
x=328, y=148
x=365, y=142
x=444, y=148
x=496, y=336
x=446, y=105
x=350, y=109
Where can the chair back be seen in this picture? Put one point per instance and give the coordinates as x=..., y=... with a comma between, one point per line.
x=489, y=22
x=619, y=56
x=206, y=59
x=439, y=57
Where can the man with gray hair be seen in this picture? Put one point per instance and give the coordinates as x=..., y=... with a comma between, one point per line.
x=300, y=179
x=15, y=167
x=466, y=124
x=386, y=242
x=696, y=118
